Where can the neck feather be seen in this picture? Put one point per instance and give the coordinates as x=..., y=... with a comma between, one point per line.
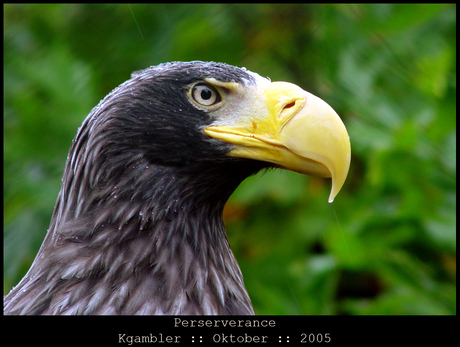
x=151, y=244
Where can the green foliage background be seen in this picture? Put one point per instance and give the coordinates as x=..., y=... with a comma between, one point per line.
x=387, y=245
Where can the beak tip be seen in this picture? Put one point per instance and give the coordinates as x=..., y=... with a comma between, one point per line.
x=332, y=196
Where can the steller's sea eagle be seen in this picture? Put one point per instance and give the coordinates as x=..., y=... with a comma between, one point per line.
x=137, y=227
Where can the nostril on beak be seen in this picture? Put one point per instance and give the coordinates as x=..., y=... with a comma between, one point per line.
x=291, y=104
x=289, y=110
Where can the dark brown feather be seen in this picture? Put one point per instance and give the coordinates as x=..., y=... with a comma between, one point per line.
x=137, y=227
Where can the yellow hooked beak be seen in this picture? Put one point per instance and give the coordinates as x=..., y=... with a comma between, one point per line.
x=282, y=124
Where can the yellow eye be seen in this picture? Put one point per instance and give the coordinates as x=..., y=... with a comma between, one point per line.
x=205, y=94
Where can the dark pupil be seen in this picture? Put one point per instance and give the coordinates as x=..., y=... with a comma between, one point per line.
x=206, y=94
